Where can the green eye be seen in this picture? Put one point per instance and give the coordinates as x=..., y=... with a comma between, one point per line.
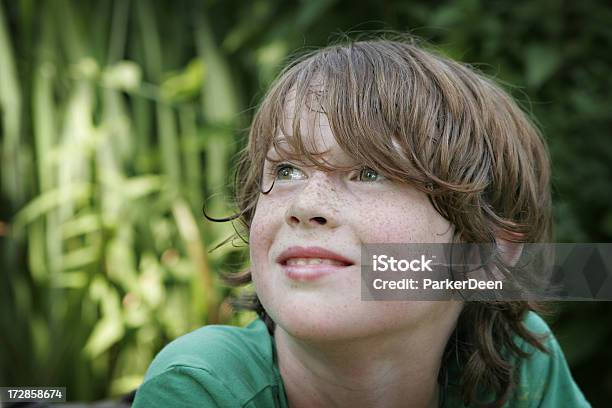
x=288, y=172
x=367, y=174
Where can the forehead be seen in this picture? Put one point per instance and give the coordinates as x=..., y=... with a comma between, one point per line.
x=312, y=112
x=304, y=127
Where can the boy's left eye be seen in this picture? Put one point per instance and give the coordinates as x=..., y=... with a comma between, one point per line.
x=368, y=175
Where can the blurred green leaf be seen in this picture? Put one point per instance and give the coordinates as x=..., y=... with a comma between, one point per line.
x=10, y=108
x=541, y=62
x=185, y=84
x=107, y=332
x=123, y=75
x=50, y=200
x=72, y=280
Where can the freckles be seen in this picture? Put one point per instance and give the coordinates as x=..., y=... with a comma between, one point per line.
x=256, y=231
x=382, y=229
x=394, y=233
x=397, y=218
x=331, y=199
x=259, y=236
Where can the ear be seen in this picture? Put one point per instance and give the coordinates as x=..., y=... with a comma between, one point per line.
x=509, y=245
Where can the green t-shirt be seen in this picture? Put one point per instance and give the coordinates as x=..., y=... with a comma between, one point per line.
x=225, y=366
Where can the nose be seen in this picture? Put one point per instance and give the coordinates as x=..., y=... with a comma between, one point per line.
x=315, y=205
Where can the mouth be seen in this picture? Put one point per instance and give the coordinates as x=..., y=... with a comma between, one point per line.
x=311, y=263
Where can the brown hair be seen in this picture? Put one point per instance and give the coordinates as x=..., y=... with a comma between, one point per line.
x=420, y=118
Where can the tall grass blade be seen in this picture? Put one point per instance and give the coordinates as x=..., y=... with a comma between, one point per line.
x=10, y=108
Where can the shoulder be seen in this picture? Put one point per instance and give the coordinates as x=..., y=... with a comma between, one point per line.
x=222, y=365
x=545, y=378
x=217, y=348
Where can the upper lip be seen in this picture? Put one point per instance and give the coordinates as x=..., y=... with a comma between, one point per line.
x=310, y=252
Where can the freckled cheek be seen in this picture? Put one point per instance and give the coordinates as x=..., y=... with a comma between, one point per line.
x=258, y=241
x=262, y=232
x=393, y=221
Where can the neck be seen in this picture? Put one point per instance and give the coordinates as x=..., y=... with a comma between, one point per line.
x=398, y=370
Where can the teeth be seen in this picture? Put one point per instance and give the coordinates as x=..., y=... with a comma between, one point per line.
x=313, y=261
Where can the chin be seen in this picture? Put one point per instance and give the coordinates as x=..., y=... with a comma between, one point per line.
x=322, y=331
x=344, y=323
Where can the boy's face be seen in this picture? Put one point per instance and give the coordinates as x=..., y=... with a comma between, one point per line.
x=337, y=211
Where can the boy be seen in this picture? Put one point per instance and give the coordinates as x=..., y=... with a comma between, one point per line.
x=376, y=142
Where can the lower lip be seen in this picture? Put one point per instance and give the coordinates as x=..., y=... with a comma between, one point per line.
x=308, y=273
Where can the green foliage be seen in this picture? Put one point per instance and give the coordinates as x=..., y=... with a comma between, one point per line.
x=120, y=117
x=116, y=257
